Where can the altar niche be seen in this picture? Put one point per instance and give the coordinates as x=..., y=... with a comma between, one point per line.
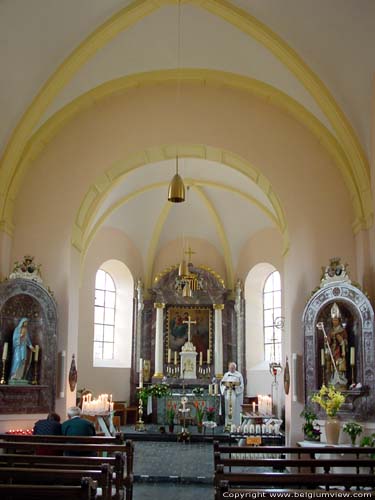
x=34, y=391
x=340, y=316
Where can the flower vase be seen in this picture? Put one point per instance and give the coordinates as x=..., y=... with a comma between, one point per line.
x=353, y=439
x=199, y=427
x=332, y=428
x=171, y=427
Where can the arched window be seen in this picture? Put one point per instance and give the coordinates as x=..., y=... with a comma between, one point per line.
x=105, y=315
x=272, y=311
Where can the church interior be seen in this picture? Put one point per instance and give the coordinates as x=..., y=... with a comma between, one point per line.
x=186, y=217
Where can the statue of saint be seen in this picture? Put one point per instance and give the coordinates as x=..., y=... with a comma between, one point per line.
x=21, y=357
x=337, y=339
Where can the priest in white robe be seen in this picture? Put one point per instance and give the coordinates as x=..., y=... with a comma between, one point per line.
x=232, y=375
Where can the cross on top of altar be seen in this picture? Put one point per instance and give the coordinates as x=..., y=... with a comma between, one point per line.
x=189, y=322
x=189, y=252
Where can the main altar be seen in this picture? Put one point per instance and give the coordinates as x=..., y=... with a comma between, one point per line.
x=185, y=333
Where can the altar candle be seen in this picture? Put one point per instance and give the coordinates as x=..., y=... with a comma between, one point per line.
x=216, y=387
x=352, y=356
x=140, y=365
x=253, y=407
x=175, y=357
x=209, y=389
x=169, y=355
x=5, y=351
x=110, y=398
x=36, y=353
x=208, y=356
x=201, y=358
x=322, y=357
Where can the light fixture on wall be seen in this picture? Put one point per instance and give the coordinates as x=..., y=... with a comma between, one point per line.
x=176, y=190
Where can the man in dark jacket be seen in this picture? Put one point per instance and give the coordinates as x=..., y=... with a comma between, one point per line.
x=77, y=426
x=48, y=426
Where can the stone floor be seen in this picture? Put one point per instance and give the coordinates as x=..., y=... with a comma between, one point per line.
x=171, y=491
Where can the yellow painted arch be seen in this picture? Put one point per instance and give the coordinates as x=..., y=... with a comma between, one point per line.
x=86, y=223
x=352, y=151
x=202, y=77
x=193, y=183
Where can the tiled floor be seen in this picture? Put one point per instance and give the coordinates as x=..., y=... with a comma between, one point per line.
x=170, y=491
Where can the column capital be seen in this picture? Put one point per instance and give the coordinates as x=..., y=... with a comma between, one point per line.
x=219, y=306
x=159, y=305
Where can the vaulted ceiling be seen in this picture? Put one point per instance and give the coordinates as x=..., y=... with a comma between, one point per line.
x=334, y=39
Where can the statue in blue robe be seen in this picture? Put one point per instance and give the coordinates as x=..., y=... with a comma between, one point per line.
x=21, y=358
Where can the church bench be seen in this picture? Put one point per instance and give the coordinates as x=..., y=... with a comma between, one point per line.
x=117, y=463
x=301, y=467
x=87, y=450
x=85, y=491
x=58, y=476
x=117, y=439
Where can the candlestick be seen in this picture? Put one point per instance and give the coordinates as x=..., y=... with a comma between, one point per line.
x=5, y=351
x=36, y=353
x=175, y=357
x=169, y=355
x=208, y=356
x=322, y=357
x=352, y=356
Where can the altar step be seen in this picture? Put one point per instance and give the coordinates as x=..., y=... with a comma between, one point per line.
x=145, y=478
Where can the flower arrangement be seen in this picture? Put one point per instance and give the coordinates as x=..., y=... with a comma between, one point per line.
x=368, y=441
x=171, y=412
x=198, y=391
x=330, y=399
x=353, y=429
x=156, y=390
x=199, y=411
x=210, y=413
x=310, y=427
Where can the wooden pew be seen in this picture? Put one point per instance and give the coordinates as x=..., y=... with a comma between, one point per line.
x=118, y=438
x=85, y=491
x=299, y=466
x=87, y=451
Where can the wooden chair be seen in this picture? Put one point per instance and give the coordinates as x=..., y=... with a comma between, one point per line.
x=132, y=410
x=120, y=411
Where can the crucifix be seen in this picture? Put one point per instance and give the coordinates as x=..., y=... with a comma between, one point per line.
x=189, y=252
x=189, y=322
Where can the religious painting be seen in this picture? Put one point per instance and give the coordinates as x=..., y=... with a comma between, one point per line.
x=200, y=328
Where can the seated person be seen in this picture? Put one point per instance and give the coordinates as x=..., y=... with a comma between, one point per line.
x=77, y=426
x=48, y=426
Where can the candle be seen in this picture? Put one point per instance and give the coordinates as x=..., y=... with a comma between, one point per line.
x=253, y=407
x=140, y=365
x=201, y=358
x=208, y=356
x=209, y=389
x=175, y=357
x=5, y=351
x=322, y=357
x=169, y=355
x=216, y=389
x=352, y=356
x=110, y=398
x=36, y=353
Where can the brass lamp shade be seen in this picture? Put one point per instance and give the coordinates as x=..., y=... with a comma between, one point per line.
x=176, y=191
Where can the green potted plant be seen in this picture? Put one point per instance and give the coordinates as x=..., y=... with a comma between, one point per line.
x=199, y=412
x=170, y=414
x=368, y=441
x=210, y=413
x=353, y=429
x=310, y=427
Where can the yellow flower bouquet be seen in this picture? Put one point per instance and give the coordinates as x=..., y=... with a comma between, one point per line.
x=330, y=399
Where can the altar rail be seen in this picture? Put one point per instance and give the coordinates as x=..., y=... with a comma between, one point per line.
x=87, y=455
x=296, y=468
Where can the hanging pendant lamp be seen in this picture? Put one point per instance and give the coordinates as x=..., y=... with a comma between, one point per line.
x=176, y=190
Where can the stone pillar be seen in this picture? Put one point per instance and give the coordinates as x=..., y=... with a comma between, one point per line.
x=218, y=340
x=159, y=306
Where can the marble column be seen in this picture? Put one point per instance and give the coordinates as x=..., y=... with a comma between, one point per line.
x=218, y=308
x=239, y=310
x=159, y=306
